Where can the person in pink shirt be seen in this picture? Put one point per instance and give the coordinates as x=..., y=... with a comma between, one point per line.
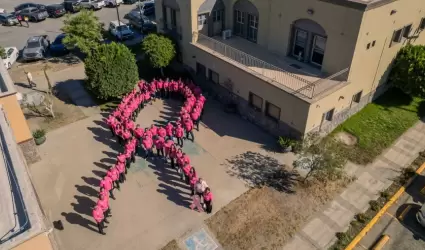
x=160, y=86
x=159, y=145
x=106, y=183
x=169, y=128
x=193, y=178
x=141, y=101
x=154, y=130
x=147, y=145
x=188, y=126
x=103, y=203
x=208, y=197
x=152, y=89
x=148, y=99
x=185, y=116
x=175, y=89
x=195, y=115
x=167, y=147
x=121, y=170
x=121, y=158
x=179, y=135
x=126, y=135
x=118, y=133
x=141, y=85
x=166, y=89
x=114, y=175
x=112, y=123
x=148, y=133
x=162, y=132
x=129, y=125
x=98, y=216
x=185, y=158
x=186, y=170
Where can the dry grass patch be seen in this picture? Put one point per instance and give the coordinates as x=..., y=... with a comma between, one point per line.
x=263, y=218
x=172, y=245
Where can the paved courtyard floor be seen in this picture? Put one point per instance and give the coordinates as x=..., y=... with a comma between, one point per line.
x=152, y=206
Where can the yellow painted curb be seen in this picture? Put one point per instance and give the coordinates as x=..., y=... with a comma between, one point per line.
x=381, y=243
x=375, y=219
x=404, y=212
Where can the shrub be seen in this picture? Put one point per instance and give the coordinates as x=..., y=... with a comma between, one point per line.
x=362, y=218
x=111, y=71
x=285, y=142
x=408, y=70
x=386, y=195
x=406, y=174
x=38, y=133
x=374, y=205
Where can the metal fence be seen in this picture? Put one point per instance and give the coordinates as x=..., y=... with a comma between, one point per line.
x=295, y=83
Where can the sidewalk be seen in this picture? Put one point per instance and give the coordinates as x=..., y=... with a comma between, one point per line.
x=319, y=232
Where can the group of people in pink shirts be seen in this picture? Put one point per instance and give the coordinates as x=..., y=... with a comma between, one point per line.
x=134, y=139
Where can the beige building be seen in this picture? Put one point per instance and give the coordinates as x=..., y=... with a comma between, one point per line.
x=294, y=66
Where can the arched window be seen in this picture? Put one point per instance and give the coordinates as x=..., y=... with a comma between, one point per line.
x=245, y=20
x=308, y=42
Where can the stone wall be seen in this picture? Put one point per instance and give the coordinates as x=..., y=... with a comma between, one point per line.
x=30, y=152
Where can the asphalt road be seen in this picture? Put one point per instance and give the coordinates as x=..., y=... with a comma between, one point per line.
x=17, y=36
x=399, y=222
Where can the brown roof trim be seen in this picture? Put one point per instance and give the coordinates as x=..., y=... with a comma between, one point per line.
x=359, y=4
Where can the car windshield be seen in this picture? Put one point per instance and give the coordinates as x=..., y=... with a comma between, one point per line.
x=58, y=40
x=122, y=28
x=9, y=16
x=32, y=45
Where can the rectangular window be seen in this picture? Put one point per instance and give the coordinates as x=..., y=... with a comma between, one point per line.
x=329, y=115
x=201, y=70
x=318, y=50
x=217, y=15
x=300, y=42
x=272, y=111
x=213, y=76
x=255, y=102
x=239, y=22
x=173, y=19
x=164, y=14
x=397, y=36
x=252, y=28
x=406, y=31
x=422, y=24
x=357, y=97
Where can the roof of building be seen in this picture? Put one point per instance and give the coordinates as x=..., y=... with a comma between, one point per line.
x=360, y=4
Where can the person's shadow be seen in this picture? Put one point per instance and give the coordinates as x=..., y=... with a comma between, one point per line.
x=74, y=218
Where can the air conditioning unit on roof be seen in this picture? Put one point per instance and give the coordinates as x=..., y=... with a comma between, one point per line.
x=227, y=34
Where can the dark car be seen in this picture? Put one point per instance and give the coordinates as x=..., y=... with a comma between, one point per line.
x=57, y=47
x=129, y=1
x=140, y=22
x=147, y=8
x=8, y=19
x=29, y=5
x=34, y=14
x=72, y=6
x=55, y=10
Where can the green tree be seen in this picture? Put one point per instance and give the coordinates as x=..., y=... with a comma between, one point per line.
x=83, y=30
x=2, y=52
x=159, y=50
x=408, y=72
x=111, y=70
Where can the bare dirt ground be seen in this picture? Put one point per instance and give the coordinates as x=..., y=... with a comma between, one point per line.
x=264, y=218
x=65, y=113
x=172, y=245
x=346, y=138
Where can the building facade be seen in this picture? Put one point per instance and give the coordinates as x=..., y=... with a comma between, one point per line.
x=293, y=66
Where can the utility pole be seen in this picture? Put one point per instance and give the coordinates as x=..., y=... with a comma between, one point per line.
x=119, y=21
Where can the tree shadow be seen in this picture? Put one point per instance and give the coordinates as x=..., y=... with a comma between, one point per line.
x=258, y=170
x=69, y=59
x=410, y=221
x=86, y=190
x=74, y=218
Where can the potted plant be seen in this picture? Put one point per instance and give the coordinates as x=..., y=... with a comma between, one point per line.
x=286, y=144
x=39, y=136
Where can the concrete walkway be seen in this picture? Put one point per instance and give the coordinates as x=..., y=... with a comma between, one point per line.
x=319, y=232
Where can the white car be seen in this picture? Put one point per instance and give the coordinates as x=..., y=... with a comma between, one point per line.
x=2, y=11
x=113, y=3
x=92, y=4
x=12, y=54
x=120, y=30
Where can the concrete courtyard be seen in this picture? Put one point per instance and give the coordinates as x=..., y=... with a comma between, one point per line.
x=152, y=206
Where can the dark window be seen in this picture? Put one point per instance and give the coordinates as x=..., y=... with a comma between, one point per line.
x=164, y=14
x=217, y=15
x=255, y=101
x=406, y=31
x=201, y=70
x=397, y=36
x=299, y=44
x=272, y=111
x=422, y=24
x=213, y=76
x=239, y=22
x=202, y=19
x=357, y=97
x=329, y=115
x=252, y=28
x=173, y=18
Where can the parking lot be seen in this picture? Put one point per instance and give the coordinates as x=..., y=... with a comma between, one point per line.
x=17, y=36
x=399, y=224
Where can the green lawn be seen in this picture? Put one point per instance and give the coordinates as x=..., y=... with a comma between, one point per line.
x=380, y=123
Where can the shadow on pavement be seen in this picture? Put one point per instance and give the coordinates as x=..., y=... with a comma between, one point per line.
x=91, y=181
x=86, y=190
x=257, y=170
x=74, y=218
x=84, y=205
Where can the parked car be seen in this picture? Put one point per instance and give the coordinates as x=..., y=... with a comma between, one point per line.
x=147, y=7
x=36, y=48
x=9, y=59
x=29, y=5
x=72, y=6
x=120, y=30
x=8, y=19
x=113, y=3
x=140, y=22
x=2, y=11
x=420, y=216
x=55, y=10
x=129, y=1
x=92, y=4
x=34, y=14
x=57, y=47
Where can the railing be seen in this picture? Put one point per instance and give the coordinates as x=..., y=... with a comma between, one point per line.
x=292, y=81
